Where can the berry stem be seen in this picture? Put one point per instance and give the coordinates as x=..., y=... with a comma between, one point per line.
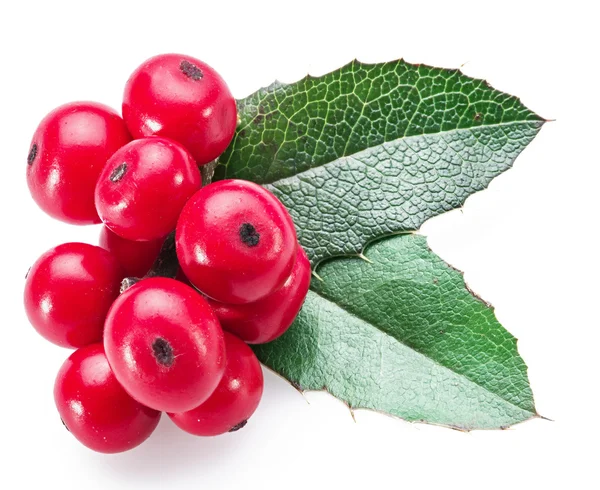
x=208, y=171
x=165, y=265
x=127, y=283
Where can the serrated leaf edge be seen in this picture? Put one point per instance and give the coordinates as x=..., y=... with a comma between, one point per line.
x=325, y=389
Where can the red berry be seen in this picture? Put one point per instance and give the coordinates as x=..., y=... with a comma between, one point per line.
x=68, y=151
x=268, y=318
x=165, y=344
x=136, y=258
x=94, y=406
x=182, y=98
x=234, y=400
x=235, y=241
x=144, y=186
x=68, y=292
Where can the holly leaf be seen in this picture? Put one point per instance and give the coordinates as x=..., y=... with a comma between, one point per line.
x=371, y=150
x=401, y=333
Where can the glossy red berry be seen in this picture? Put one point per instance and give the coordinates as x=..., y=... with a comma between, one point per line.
x=165, y=344
x=144, y=186
x=235, y=241
x=182, y=98
x=136, y=258
x=68, y=292
x=268, y=318
x=95, y=408
x=68, y=151
x=235, y=399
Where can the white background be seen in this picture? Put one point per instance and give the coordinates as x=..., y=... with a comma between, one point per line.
x=528, y=244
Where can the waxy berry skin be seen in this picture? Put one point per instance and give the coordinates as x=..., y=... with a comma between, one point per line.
x=68, y=292
x=235, y=399
x=95, y=408
x=68, y=151
x=136, y=258
x=182, y=98
x=144, y=186
x=165, y=344
x=268, y=318
x=236, y=242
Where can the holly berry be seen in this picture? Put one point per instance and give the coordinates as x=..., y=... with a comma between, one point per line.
x=95, y=408
x=165, y=344
x=182, y=98
x=236, y=242
x=235, y=399
x=268, y=318
x=68, y=292
x=136, y=258
x=68, y=151
x=144, y=186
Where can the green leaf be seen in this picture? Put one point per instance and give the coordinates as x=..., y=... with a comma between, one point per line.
x=366, y=152
x=371, y=150
x=402, y=334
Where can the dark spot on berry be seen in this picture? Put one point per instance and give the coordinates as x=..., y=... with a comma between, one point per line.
x=32, y=154
x=249, y=235
x=118, y=173
x=239, y=426
x=63, y=422
x=163, y=352
x=190, y=70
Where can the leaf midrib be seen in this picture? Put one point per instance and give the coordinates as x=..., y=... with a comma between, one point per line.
x=352, y=155
x=359, y=317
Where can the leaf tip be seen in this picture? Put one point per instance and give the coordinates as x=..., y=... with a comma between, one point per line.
x=352, y=414
x=365, y=258
x=300, y=390
x=317, y=276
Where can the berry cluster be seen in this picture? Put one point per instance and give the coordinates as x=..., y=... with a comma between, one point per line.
x=185, y=275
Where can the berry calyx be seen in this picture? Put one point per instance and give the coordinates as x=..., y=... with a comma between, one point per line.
x=165, y=344
x=182, y=98
x=249, y=235
x=95, y=408
x=68, y=151
x=268, y=318
x=68, y=292
x=144, y=186
x=236, y=242
x=135, y=257
x=235, y=399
